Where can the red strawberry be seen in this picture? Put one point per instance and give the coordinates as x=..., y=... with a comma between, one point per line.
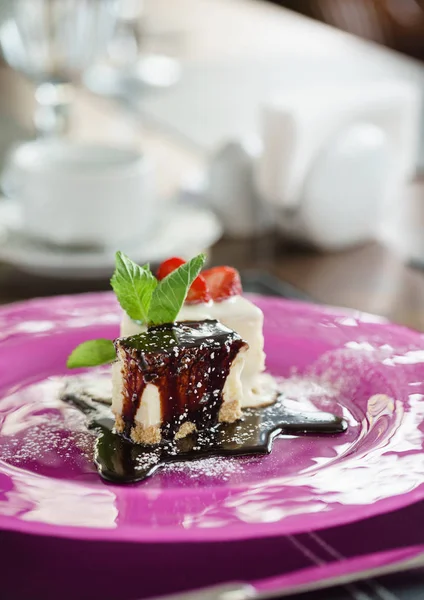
x=168, y=266
x=198, y=291
x=222, y=282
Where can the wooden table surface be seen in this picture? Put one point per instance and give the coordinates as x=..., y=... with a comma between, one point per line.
x=370, y=278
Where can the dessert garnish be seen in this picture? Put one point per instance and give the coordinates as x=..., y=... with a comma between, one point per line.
x=187, y=373
x=145, y=300
x=198, y=291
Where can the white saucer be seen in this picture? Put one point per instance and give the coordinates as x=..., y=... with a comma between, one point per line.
x=186, y=232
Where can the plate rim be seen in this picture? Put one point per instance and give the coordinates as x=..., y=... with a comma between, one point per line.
x=290, y=525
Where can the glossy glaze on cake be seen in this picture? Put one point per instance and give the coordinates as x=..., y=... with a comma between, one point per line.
x=245, y=318
x=176, y=378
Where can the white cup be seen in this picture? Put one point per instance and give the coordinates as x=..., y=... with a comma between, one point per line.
x=81, y=195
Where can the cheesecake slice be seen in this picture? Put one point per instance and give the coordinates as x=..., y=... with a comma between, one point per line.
x=177, y=378
x=241, y=315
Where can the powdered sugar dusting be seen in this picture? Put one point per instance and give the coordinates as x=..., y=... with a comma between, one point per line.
x=310, y=393
x=47, y=444
x=44, y=433
x=207, y=468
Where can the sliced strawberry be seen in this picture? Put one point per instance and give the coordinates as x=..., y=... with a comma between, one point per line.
x=198, y=291
x=168, y=266
x=222, y=282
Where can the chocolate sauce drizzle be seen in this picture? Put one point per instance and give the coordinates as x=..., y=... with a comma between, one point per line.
x=188, y=363
x=119, y=460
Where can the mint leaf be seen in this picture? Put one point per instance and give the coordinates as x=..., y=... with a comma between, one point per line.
x=171, y=292
x=92, y=354
x=133, y=286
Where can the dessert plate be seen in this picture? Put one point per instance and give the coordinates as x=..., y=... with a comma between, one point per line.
x=346, y=362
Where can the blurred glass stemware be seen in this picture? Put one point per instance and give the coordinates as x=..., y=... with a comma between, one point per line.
x=126, y=49
x=129, y=68
x=52, y=42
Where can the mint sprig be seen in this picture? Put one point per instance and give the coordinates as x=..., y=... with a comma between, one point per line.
x=133, y=286
x=92, y=354
x=171, y=291
x=144, y=299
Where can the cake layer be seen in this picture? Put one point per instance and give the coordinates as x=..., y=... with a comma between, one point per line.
x=175, y=378
x=240, y=315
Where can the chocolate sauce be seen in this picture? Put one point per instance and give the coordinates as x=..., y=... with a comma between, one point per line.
x=188, y=362
x=121, y=461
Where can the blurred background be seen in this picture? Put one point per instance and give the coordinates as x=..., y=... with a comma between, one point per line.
x=285, y=138
x=398, y=24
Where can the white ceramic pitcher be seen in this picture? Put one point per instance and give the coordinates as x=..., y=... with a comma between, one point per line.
x=333, y=159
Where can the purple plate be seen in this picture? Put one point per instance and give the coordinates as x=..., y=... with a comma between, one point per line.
x=347, y=362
